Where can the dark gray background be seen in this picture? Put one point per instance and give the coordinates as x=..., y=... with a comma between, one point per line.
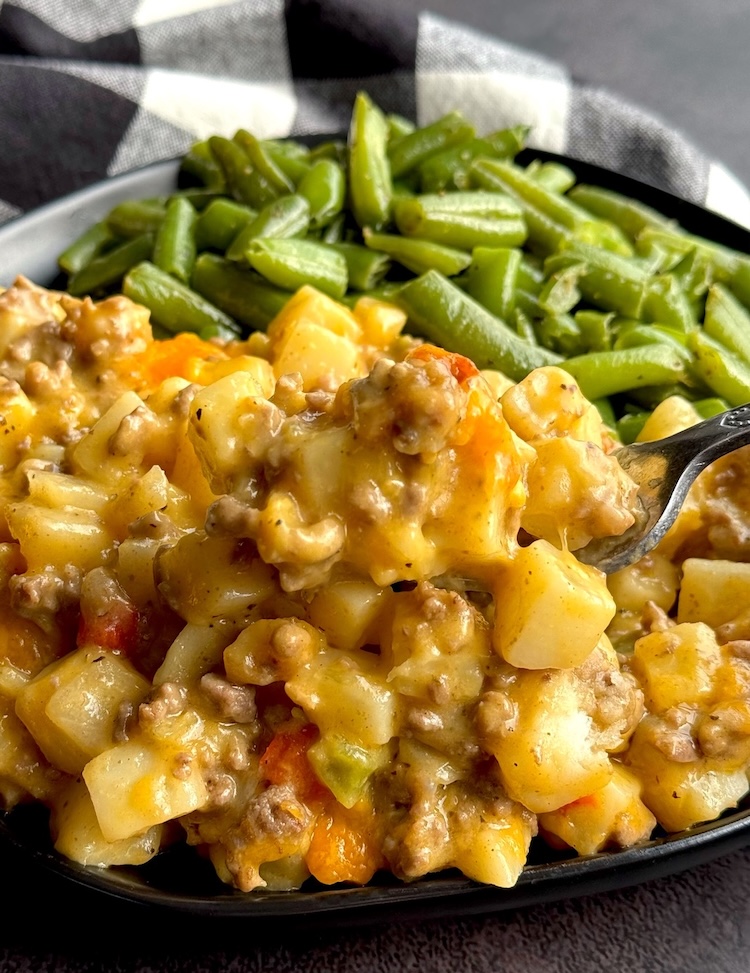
x=687, y=61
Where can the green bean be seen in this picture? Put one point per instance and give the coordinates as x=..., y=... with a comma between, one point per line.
x=369, y=169
x=220, y=222
x=630, y=215
x=665, y=301
x=455, y=227
x=693, y=272
x=244, y=295
x=523, y=326
x=365, y=267
x=109, y=268
x=398, y=126
x=555, y=207
x=263, y=163
x=740, y=282
x=611, y=281
x=410, y=151
x=292, y=263
x=560, y=333
x=530, y=276
x=419, y=256
x=237, y=169
x=633, y=334
x=133, y=218
x=560, y=292
x=286, y=217
x=607, y=412
x=727, y=321
x=629, y=426
x=450, y=169
x=603, y=373
x=334, y=232
x=174, y=245
x=596, y=329
x=334, y=149
x=492, y=278
x=87, y=246
x=443, y=313
x=543, y=231
x=200, y=164
x=324, y=187
x=720, y=370
x=553, y=176
x=710, y=407
x=172, y=304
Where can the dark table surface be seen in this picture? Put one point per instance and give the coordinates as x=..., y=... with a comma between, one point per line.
x=686, y=61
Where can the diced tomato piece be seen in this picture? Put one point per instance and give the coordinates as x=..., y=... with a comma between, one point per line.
x=460, y=366
x=284, y=761
x=115, y=629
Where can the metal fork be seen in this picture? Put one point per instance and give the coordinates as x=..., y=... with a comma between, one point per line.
x=664, y=471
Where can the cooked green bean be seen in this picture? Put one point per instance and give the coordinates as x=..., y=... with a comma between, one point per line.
x=220, y=222
x=446, y=315
x=410, y=151
x=369, y=169
x=286, y=217
x=492, y=278
x=728, y=322
x=450, y=169
x=292, y=263
x=87, y=246
x=173, y=305
x=324, y=187
x=419, y=256
x=365, y=267
x=263, y=162
x=174, y=245
x=133, y=218
x=553, y=176
x=110, y=267
x=721, y=371
x=604, y=373
x=630, y=215
x=244, y=295
x=463, y=230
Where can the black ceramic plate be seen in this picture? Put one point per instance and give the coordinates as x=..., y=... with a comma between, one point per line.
x=178, y=882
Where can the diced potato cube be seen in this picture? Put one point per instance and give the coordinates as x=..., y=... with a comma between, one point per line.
x=677, y=666
x=491, y=849
x=196, y=650
x=136, y=785
x=653, y=578
x=346, y=695
x=713, y=591
x=381, y=322
x=671, y=415
x=683, y=794
x=615, y=815
x=548, y=402
x=207, y=371
x=319, y=355
x=552, y=756
x=78, y=836
x=230, y=420
x=60, y=537
x=135, y=568
x=202, y=580
x=62, y=490
x=348, y=612
x=21, y=762
x=550, y=610
x=311, y=305
x=71, y=707
x=141, y=496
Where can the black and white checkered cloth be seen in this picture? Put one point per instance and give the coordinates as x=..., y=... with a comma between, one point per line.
x=91, y=88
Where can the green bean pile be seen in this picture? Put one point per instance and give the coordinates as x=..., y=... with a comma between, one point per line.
x=514, y=267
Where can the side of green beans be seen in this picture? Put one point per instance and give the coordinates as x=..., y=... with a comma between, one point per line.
x=173, y=305
x=514, y=266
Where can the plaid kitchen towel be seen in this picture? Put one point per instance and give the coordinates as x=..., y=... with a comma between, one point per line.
x=91, y=88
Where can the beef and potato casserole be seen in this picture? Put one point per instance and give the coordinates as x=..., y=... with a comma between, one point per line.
x=310, y=602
